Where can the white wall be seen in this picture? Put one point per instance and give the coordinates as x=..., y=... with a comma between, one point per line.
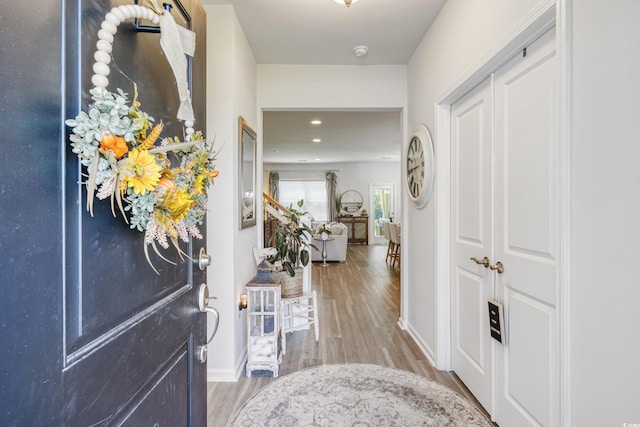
x=461, y=35
x=605, y=203
x=293, y=87
x=231, y=92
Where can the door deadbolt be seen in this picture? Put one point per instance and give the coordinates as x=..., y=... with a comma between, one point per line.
x=204, y=260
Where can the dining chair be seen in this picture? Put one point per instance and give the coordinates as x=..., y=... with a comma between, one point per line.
x=386, y=230
x=394, y=231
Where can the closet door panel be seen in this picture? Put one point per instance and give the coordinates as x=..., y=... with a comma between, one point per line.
x=526, y=235
x=472, y=236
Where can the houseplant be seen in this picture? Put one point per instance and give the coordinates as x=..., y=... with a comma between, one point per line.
x=291, y=241
x=324, y=231
x=292, y=251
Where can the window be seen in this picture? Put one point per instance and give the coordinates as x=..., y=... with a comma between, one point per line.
x=314, y=194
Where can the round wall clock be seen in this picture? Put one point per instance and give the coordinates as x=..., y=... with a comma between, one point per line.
x=420, y=166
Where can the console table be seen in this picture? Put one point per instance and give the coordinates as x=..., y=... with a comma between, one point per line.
x=357, y=228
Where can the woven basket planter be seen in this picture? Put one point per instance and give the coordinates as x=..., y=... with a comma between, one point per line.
x=290, y=287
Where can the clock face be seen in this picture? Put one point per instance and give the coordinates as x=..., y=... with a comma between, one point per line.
x=415, y=167
x=420, y=167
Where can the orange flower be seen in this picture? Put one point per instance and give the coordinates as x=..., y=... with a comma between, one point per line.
x=213, y=174
x=117, y=144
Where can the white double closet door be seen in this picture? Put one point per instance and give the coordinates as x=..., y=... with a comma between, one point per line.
x=505, y=206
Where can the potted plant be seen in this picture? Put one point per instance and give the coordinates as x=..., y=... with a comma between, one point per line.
x=292, y=250
x=290, y=242
x=324, y=231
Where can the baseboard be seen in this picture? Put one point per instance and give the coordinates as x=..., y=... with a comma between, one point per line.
x=424, y=348
x=227, y=375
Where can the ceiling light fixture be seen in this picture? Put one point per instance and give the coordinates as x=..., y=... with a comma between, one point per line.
x=346, y=2
x=316, y=140
x=360, y=51
x=316, y=122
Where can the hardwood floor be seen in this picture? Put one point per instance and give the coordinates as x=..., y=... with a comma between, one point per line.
x=359, y=306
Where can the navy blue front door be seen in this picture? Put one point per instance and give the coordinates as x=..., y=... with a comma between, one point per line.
x=91, y=335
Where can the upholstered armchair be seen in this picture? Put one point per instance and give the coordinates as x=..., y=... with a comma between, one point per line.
x=336, y=247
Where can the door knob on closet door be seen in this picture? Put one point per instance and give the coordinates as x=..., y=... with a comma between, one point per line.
x=484, y=261
x=499, y=267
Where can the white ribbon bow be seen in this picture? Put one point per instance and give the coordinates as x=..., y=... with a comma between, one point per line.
x=176, y=41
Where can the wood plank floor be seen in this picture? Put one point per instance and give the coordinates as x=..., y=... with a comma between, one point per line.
x=359, y=306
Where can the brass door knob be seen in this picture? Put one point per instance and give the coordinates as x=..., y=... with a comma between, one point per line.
x=499, y=267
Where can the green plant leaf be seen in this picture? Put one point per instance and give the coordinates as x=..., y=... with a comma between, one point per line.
x=304, y=257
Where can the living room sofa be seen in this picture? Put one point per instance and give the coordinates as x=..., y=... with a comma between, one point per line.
x=336, y=248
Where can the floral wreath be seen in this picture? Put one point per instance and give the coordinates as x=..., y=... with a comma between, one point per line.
x=116, y=141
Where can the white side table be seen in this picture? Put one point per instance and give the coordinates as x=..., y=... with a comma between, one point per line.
x=324, y=248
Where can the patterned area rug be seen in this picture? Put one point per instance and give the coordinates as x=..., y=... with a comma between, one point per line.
x=357, y=395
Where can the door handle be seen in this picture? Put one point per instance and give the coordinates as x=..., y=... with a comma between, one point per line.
x=499, y=267
x=203, y=306
x=484, y=261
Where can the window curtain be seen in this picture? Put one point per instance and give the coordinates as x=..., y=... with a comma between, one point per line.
x=274, y=185
x=332, y=185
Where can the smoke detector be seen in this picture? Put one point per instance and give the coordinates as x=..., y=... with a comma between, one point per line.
x=360, y=51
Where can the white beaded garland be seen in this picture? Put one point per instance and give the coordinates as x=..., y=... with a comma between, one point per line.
x=104, y=46
x=109, y=27
x=105, y=35
x=130, y=10
x=113, y=18
x=148, y=14
x=99, y=81
x=101, y=68
x=119, y=13
x=102, y=56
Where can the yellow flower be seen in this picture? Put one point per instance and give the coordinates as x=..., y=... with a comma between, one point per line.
x=198, y=186
x=140, y=171
x=176, y=203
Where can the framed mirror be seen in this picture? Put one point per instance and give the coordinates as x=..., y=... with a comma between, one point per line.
x=351, y=201
x=246, y=173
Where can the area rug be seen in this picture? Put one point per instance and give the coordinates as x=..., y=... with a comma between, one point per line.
x=357, y=395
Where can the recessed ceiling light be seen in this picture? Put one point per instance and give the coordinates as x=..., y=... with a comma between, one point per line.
x=346, y=2
x=303, y=160
x=316, y=122
x=316, y=140
x=317, y=160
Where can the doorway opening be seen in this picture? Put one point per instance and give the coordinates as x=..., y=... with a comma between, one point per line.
x=381, y=200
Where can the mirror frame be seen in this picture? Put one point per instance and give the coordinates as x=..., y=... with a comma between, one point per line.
x=353, y=207
x=247, y=142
